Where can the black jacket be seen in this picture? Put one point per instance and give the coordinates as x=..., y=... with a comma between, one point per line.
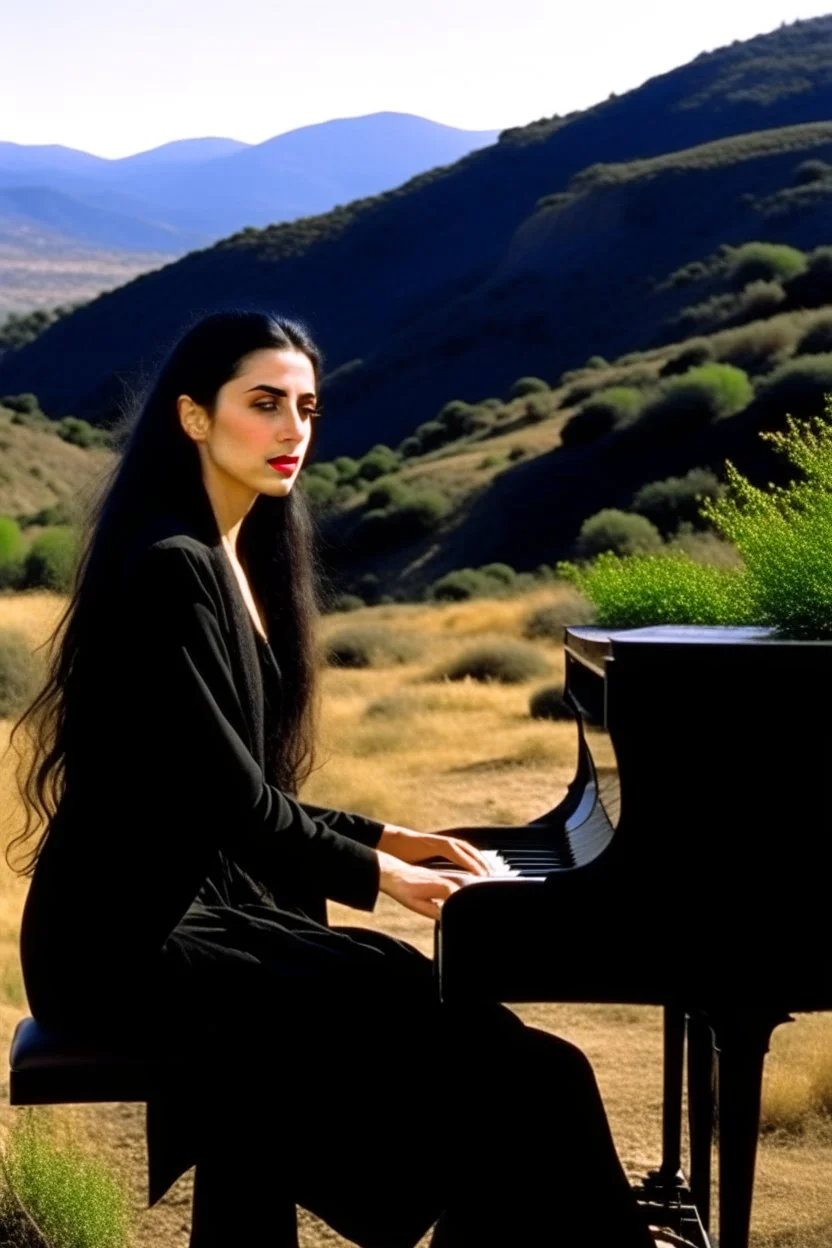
x=166, y=811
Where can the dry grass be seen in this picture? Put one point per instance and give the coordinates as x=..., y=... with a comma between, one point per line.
x=456, y=755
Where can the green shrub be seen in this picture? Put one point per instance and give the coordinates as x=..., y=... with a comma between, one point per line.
x=685, y=404
x=71, y=1197
x=54, y=513
x=764, y=261
x=669, y=503
x=535, y=411
x=489, y=461
x=346, y=467
x=78, y=432
x=796, y=388
x=596, y=361
x=606, y=410
x=20, y=672
x=618, y=531
x=783, y=535
x=418, y=513
x=370, y=646
x=549, y=703
x=11, y=539
x=319, y=490
x=692, y=355
x=547, y=623
x=638, y=590
x=431, y=436
x=491, y=580
x=51, y=559
x=812, y=288
x=528, y=385
x=346, y=602
x=502, y=573
x=377, y=462
x=323, y=471
x=516, y=452
x=506, y=661
x=818, y=339
x=410, y=447
x=386, y=491
x=24, y=403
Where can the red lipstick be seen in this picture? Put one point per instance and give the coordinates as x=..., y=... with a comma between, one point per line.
x=284, y=463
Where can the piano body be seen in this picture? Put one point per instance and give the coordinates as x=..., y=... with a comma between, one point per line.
x=691, y=872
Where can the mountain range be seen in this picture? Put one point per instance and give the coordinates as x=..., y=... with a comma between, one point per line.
x=525, y=256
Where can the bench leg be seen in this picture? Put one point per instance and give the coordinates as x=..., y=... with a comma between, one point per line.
x=234, y=1203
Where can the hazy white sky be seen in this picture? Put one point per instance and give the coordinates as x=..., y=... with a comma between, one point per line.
x=120, y=76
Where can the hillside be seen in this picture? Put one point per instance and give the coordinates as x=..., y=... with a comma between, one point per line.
x=372, y=277
x=39, y=469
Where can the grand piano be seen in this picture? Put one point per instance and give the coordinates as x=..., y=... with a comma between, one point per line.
x=688, y=866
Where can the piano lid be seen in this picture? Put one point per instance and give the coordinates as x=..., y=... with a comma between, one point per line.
x=593, y=645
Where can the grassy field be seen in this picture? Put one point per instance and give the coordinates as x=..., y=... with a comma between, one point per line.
x=400, y=745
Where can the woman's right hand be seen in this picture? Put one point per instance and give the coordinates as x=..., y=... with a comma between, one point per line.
x=422, y=889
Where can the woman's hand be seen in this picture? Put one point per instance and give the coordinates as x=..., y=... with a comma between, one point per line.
x=421, y=889
x=412, y=846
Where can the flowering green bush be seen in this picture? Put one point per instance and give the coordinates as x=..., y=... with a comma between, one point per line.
x=783, y=533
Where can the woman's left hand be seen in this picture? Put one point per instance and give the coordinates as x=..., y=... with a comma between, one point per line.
x=413, y=846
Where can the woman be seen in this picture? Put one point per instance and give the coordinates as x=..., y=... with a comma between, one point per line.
x=179, y=898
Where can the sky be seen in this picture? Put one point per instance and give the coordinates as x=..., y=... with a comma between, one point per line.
x=114, y=78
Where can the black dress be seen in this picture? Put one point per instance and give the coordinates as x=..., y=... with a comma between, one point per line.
x=179, y=901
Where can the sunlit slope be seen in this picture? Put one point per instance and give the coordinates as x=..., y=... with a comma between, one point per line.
x=371, y=277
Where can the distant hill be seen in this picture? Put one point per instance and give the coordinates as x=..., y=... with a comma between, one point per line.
x=460, y=280
x=189, y=193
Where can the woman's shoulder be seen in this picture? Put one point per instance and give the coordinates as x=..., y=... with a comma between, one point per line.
x=175, y=564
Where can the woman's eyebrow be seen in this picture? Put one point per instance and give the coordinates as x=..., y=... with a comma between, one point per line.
x=281, y=394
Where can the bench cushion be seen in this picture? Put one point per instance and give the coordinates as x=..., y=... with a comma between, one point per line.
x=50, y=1067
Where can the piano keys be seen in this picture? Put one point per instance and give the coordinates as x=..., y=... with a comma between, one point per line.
x=692, y=873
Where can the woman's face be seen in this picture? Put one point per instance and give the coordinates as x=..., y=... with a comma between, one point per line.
x=263, y=414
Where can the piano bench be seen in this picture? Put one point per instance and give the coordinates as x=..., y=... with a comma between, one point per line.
x=51, y=1068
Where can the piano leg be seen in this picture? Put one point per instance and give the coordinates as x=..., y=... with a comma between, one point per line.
x=742, y=1041
x=700, y=1113
x=670, y=1172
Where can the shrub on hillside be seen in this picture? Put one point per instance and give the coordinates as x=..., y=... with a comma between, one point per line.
x=809, y=171
x=618, y=531
x=547, y=623
x=410, y=447
x=77, y=432
x=606, y=410
x=377, y=462
x=319, y=490
x=796, y=388
x=818, y=338
x=413, y=515
x=11, y=539
x=763, y=261
x=20, y=672
x=386, y=491
x=549, y=703
x=676, y=500
x=528, y=385
x=683, y=405
x=758, y=348
x=500, y=659
x=26, y=404
x=50, y=560
x=346, y=467
x=345, y=602
x=324, y=471
x=813, y=287
x=492, y=579
x=691, y=355
x=371, y=645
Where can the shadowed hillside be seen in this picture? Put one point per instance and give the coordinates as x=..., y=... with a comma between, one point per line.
x=373, y=278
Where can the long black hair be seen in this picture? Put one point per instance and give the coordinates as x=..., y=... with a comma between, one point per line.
x=159, y=470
